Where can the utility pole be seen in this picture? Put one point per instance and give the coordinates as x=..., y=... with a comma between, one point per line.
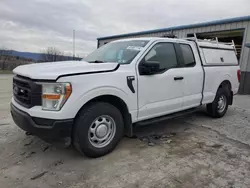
x=73, y=44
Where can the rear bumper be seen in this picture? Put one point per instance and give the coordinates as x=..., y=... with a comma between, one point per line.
x=47, y=129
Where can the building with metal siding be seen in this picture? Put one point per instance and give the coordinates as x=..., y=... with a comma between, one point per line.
x=226, y=30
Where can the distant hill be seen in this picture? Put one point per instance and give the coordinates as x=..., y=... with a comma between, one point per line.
x=28, y=55
x=33, y=55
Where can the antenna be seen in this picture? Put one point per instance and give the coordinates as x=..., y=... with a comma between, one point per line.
x=73, y=44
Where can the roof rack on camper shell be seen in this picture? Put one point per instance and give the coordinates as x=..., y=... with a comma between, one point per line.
x=214, y=41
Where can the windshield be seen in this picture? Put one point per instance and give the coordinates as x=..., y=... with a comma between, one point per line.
x=122, y=52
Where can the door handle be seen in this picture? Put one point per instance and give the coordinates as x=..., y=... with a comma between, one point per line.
x=178, y=78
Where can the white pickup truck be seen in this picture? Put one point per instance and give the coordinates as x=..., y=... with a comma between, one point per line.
x=125, y=83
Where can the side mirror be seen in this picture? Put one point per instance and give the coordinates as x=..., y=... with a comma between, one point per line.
x=149, y=67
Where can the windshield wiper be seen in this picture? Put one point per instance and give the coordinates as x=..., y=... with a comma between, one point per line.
x=96, y=61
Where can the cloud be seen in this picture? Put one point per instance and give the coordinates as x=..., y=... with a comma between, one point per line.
x=33, y=25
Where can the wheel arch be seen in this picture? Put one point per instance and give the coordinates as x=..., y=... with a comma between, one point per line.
x=219, y=82
x=119, y=103
x=227, y=84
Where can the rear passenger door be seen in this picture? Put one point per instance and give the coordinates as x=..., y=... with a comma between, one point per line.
x=192, y=72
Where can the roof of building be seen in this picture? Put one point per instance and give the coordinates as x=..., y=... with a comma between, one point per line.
x=203, y=24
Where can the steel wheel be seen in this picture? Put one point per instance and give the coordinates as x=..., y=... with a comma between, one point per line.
x=102, y=131
x=219, y=106
x=222, y=103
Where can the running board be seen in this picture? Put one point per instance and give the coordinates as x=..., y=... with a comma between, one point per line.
x=166, y=117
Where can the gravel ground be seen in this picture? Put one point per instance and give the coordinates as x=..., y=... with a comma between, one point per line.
x=192, y=151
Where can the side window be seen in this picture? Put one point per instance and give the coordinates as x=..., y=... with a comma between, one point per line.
x=188, y=55
x=164, y=53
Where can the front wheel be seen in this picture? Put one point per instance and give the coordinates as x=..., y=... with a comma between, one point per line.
x=219, y=106
x=98, y=129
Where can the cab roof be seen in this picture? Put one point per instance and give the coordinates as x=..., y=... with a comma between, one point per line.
x=151, y=39
x=204, y=43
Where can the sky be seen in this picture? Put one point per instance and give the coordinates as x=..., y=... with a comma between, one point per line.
x=34, y=25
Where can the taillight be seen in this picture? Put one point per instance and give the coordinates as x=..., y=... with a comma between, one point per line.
x=238, y=75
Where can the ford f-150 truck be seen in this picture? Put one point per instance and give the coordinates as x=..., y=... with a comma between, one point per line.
x=94, y=102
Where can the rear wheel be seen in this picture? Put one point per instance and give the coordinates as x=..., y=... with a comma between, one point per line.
x=219, y=106
x=98, y=129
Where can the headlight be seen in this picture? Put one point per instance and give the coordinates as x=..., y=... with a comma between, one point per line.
x=55, y=95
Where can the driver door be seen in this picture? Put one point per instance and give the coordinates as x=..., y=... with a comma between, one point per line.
x=160, y=93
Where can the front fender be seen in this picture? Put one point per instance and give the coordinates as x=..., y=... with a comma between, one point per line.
x=100, y=91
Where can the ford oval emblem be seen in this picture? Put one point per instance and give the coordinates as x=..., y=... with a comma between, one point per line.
x=15, y=89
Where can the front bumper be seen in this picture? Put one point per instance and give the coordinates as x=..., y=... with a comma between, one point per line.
x=47, y=129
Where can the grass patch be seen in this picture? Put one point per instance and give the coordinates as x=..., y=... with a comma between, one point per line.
x=6, y=72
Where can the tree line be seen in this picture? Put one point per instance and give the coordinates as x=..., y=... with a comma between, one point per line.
x=5, y=56
x=51, y=54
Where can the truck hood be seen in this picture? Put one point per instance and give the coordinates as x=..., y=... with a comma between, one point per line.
x=54, y=70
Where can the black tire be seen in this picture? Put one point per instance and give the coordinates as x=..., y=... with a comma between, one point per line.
x=213, y=109
x=85, y=120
